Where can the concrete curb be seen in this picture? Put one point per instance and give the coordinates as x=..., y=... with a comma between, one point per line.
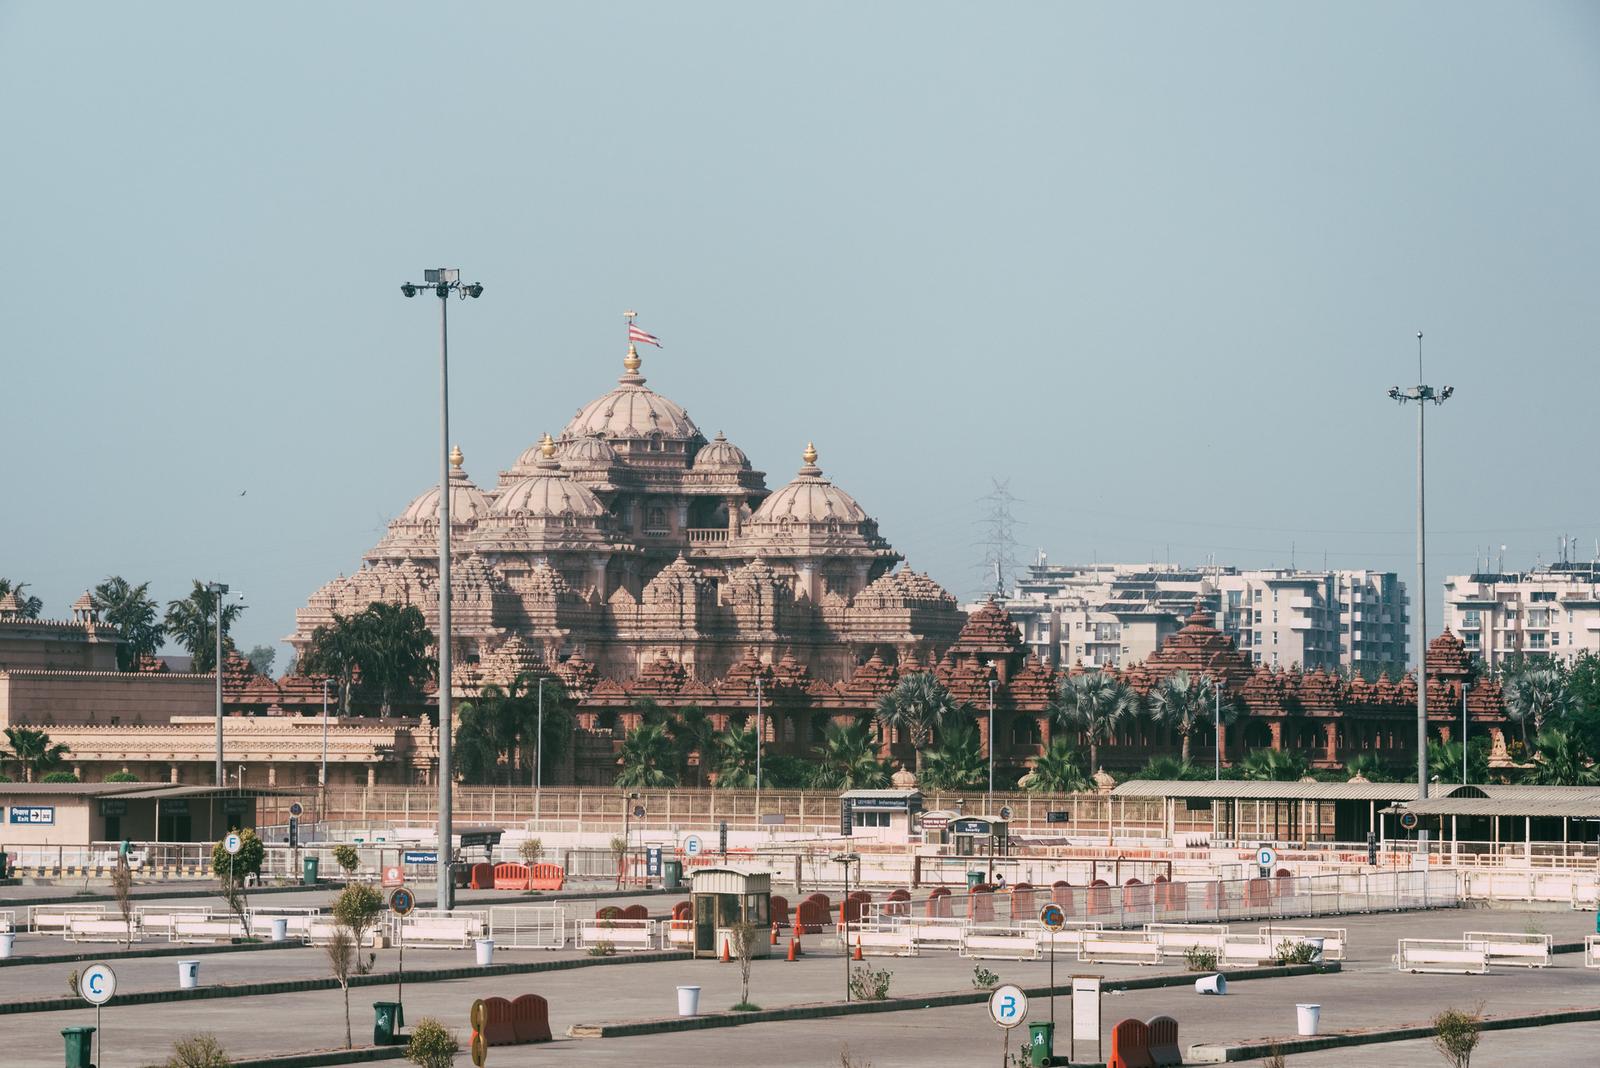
x=152, y=951
x=317, y=1058
x=296, y=986
x=146, y=891
x=1215, y=1053
x=814, y=1010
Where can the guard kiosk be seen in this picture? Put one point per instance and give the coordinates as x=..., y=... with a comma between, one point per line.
x=980, y=836
x=724, y=896
x=890, y=816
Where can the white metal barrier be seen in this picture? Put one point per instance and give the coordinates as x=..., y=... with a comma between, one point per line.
x=8, y=921
x=1591, y=951
x=528, y=926
x=1247, y=950
x=679, y=933
x=880, y=939
x=632, y=935
x=1442, y=955
x=1118, y=947
x=157, y=920
x=1000, y=943
x=1518, y=950
x=1333, y=938
x=936, y=932
x=187, y=927
x=442, y=927
x=103, y=929
x=1069, y=937
x=297, y=921
x=54, y=919
x=1176, y=939
x=320, y=931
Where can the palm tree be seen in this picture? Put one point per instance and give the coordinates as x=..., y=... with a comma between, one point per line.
x=1274, y=765
x=1444, y=762
x=335, y=652
x=1058, y=770
x=1559, y=760
x=1369, y=767
x=1169, y=768
x=133, y=612
x=735, y=751
x=1093, y=703
x=396, y=657
x=695, y=733
x=848, y=758
x=1185, y=702
x=918, y=705
x=32, y=749
x=647, y=757
x=30, y=607
x=957, y=763
x=192, y=624
x=1538, y=695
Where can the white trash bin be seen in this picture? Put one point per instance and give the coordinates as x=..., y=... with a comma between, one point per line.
x=7, y=941
x=485, y=948
x=1211, y=984
x=1308, y=1016
x=1316, y=949
x=688, y=1001
x=188, y=974
x=280, y=929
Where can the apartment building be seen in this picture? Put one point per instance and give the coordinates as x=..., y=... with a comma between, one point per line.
x=1113, y=615
x=1551, y=611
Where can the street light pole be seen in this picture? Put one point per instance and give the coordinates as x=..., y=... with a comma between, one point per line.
x=1423, y=395
x=1217, y=721
x=218, y=590
x=760, y=737
x=323, y=779
x=844, y=860
x=1465, y=686
x=444, y=281
x=988, y=801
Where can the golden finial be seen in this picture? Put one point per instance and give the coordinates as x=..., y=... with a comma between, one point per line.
x=456, y=459
x=630, y=315
x=547, y=446
x=631, y=361
x=810, y=455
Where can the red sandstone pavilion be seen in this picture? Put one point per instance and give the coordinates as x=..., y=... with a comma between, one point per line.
x=634, y=559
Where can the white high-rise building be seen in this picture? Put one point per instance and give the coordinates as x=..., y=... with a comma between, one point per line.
x=1551, y=612
x=1118, y=614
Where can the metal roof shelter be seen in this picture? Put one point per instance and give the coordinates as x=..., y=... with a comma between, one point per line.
x=1250, y=810
x=1279, y=791
x=1509, y=819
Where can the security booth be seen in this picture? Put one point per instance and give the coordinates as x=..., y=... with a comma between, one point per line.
x=934, y=826
x=882, y=815
x=980, y=836
x=472, y=845
x=724, y=896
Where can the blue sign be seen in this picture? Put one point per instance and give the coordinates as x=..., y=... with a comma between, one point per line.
x=691, y=845
x=973, y=827
x=33, y=814
x=652, y=862
x=419, y=857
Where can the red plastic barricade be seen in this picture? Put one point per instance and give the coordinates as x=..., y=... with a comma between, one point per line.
x=810, y=917
x=1257, y=891
x=939, y=902
x=850, y=909
x=1163, y=891
x=1164, y=1050
x=482, y=877
x=635, y=912
x=779, y=911
x=498, y=1027
x=1130, y=1045
x=530, y=1018
x=981, y=903
x=899, y=895
x=1135, y=895
x=1022, y=902
x=511, y=877
x=1061, y=894
x=546, y=877
x=684, y=910
x=1214, y=896
x=822, y=899
x=1099, y=896
x=608, y=912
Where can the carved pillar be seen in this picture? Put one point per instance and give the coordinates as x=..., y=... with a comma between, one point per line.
x=372, y=776
x=1331, y=746
x=1276, y=727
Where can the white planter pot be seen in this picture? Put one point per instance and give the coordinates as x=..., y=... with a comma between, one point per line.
x=7, y=941
x=688, y=1001
x=188, y=974
x=280, y=930
x=1211, y=984
x=485, y=948
x=1308, y=1017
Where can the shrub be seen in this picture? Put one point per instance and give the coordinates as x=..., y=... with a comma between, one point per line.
x=1455, y=1035
x=1292, y=952
x=432, y=1044
x=60, y=776
x=984, y=979
x=252, y=854
x=122, y=776
x=1200, y=959
x=199, y=1050
x=531, y=851
x=746, y=1006
x=347, y=858
x=358, y=908
x=603, y=949
x=870, y=984
x=1273, y=1059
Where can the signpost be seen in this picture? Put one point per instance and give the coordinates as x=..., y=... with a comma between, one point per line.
x=692, y=846
x=846, y=816
x=652, y=862
x=393, y=875
x=97, y=984
x=232, y=842
x=1052, y=918
x=477, y=1016
x=1085, y=1014
x=1058, y=815
x=421, y=856
x=1266, y=857
x=1008, y=1007
x=401, y=902
x=722, y=838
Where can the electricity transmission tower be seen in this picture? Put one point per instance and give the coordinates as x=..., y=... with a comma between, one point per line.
x=1000, y=564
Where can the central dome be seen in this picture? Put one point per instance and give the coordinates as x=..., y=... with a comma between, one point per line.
x=631, y=412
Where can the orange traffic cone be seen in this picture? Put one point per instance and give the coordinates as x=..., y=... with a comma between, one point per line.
x=774, y=934
x=794, y=948
x=725, y=958
x=857, y=954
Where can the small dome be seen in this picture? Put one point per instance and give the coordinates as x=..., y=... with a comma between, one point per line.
x=631, y=411
x=721, y=455
x=810, y=498
x=468, y=503
x=548, y=493
x=587, y=453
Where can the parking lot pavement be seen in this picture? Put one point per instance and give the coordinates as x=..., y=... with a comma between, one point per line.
x=1564, y=1044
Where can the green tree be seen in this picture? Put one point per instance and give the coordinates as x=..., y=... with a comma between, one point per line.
x=1370, y=767
x=358, y=908
x=919, y=705
x=1093, y=704
x=252, y=854
x=648, y=757
x=498, y=732
x=29, y=606
x=1444, y=762
x=1537, y=695
x=385, y=648
x=1058, y=770
x=1583, y=683
x=1169, y=768
x=1559, y=760
x=957, y=761
x=1274, y=765
x=261, y=658
x=33, y=751
x=848, y=758
x=135, y=615
x=1186, y=703
x=192, y=621
x=121, y=776
x=695, y=734
x=780, y=771
x=59, y=776
x=735, y=756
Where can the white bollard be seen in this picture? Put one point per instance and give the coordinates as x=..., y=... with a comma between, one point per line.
x=688, y=1001
x=485, y=948
x=188, y=974
x=7, y=941
x=1211, y=984
x=1308, y=1016
x=280, y=929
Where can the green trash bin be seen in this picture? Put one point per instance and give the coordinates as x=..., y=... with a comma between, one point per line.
x=974, y=879
x=308, y=871
x=386, y=1023
x=80, y=1046
x=1041, y=1043
x=672, y=874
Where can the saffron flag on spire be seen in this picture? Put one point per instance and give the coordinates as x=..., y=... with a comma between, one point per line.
x=635, y=334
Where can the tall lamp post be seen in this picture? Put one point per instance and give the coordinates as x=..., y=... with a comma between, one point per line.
x=1423, y=395
x=1465, y=686
x=218, y=590
x=1217, y=722
x=844, y=860
x=988, y=802
x=761, y=731
x=323, y=779
x=444, y=281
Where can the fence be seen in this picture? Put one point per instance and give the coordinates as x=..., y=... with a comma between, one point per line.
x=528, y=926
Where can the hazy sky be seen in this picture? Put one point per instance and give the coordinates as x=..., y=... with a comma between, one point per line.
x=1157, y=265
